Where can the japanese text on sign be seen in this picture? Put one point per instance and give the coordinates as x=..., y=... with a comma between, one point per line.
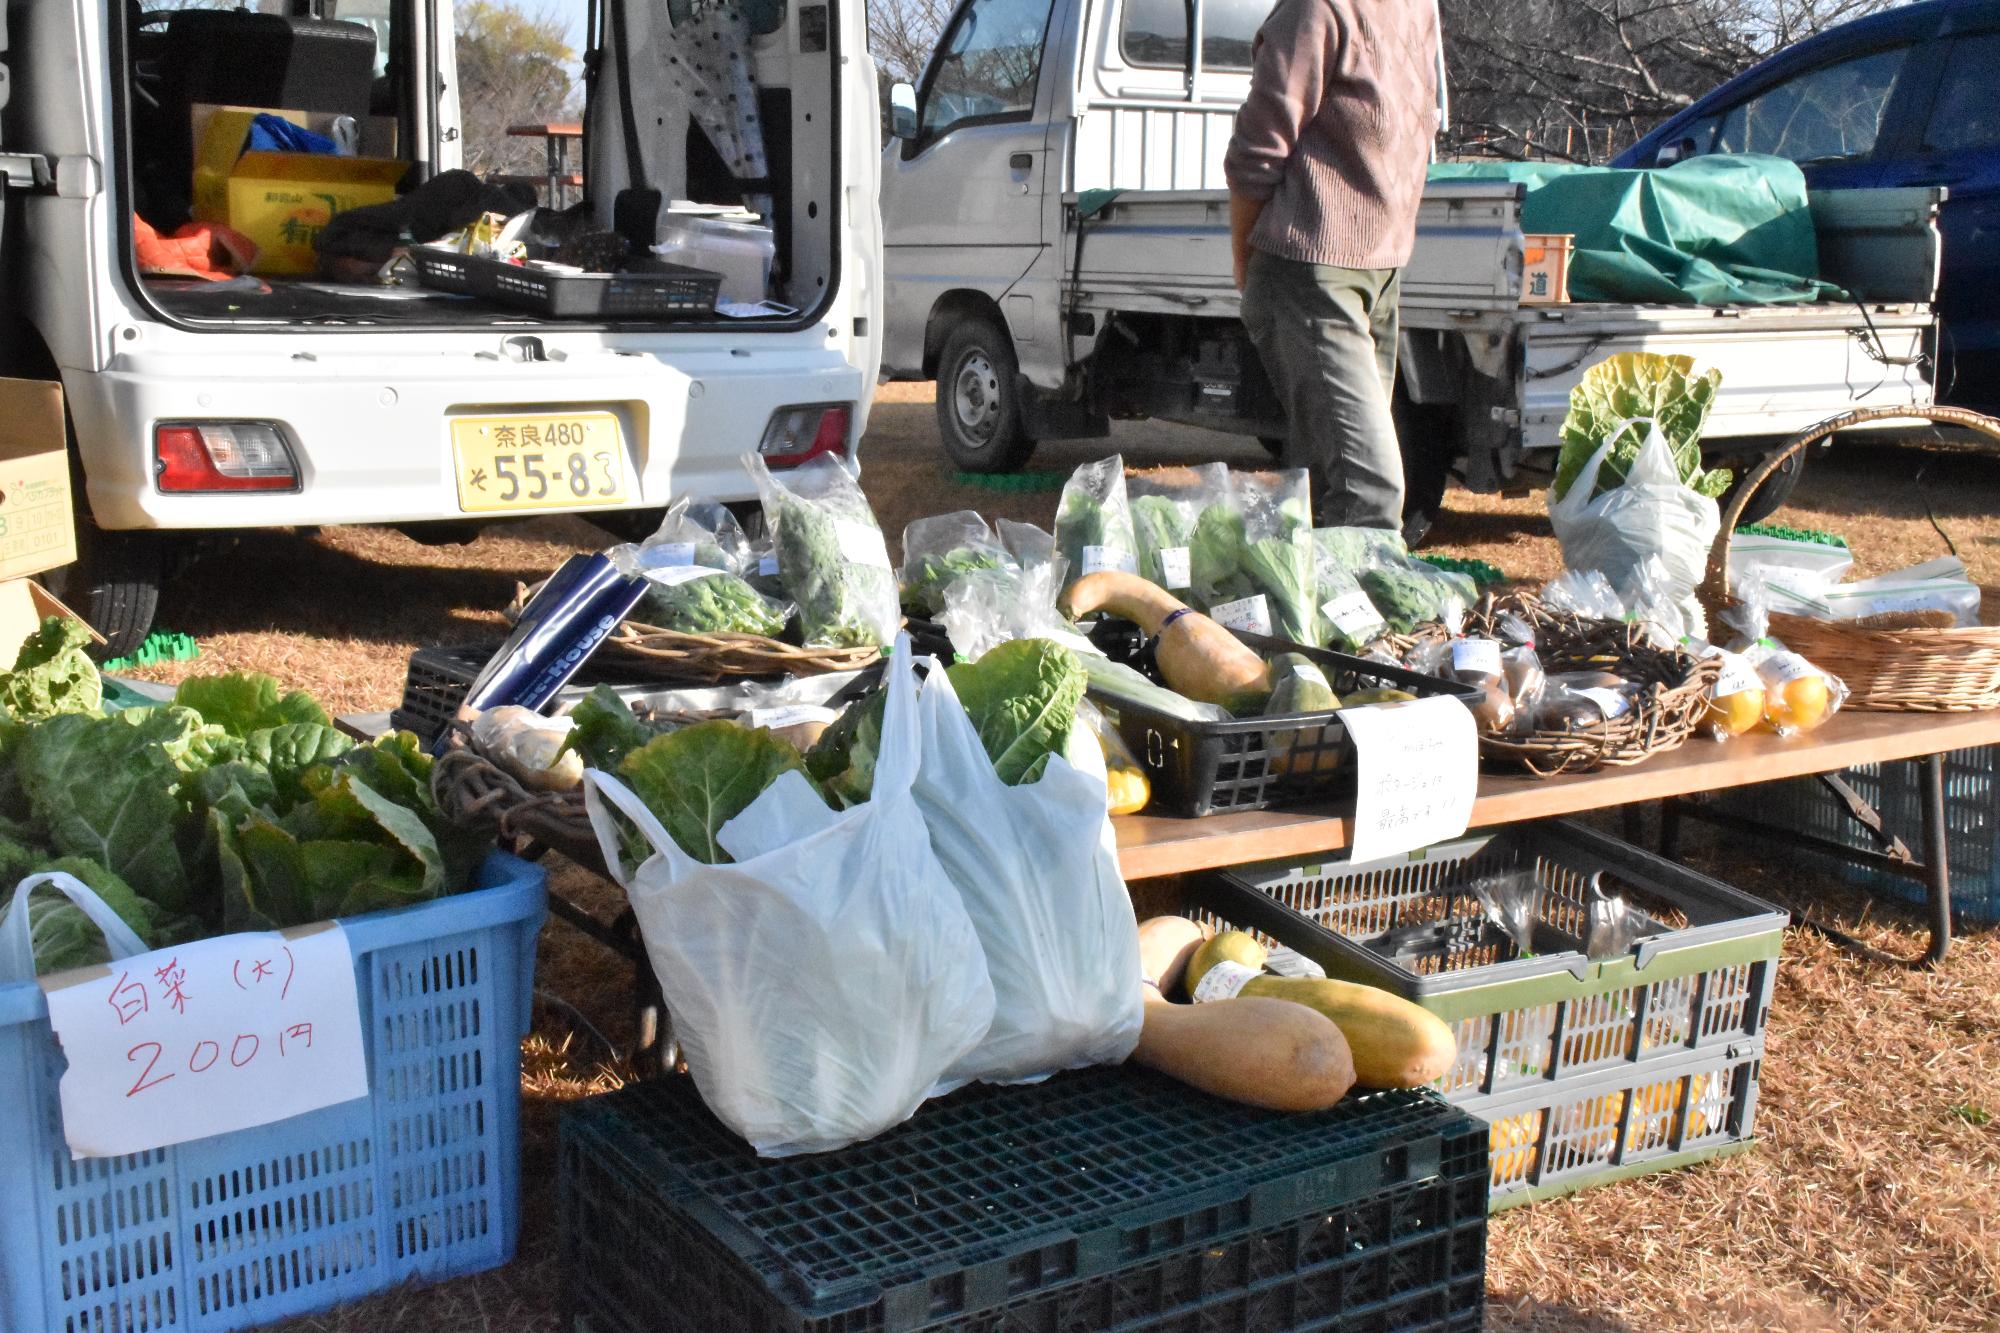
x=205, y=1038
x=1416, y=772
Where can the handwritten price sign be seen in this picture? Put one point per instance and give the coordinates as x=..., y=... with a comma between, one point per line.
x=201, y=1039
x=1416, y=772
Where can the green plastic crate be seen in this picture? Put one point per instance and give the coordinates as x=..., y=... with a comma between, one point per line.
x=1532, y=1027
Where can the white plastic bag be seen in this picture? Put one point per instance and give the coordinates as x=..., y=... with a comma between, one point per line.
x=1037, y=866
x=822, y=985
x=17, y=946
x=1651, y=513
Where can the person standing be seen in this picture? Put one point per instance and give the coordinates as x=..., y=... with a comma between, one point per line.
x=1326, y=168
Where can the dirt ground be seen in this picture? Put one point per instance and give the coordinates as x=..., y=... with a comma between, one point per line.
x=1872, y=1200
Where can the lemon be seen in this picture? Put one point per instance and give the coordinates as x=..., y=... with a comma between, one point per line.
x=1797, y=705
x=1734, y=714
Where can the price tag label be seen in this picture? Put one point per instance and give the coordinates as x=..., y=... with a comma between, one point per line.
x=1174, y=568
x=1476, y=657
x=674, y=575
x=1252, y=615
x=1416, y=770
x=206, y=1038
x=861, y=544
x=1737, y=675
x=1782, y=668
x=1310, y=673
x=1611, y=703
x=1224, y=981
x=665, y=554
x=790, y=715
x=1097, y=559
x=1354, y=616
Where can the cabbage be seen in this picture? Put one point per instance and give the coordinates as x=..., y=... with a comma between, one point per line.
x=1022, y=699
x=699, y=778
x=52, y=673
x=1631, y=385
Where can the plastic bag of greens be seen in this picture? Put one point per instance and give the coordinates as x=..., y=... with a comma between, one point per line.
x=1094, y=520
x=1165, y=504
x=1348, y=619
x=1278, y=551
x=694, y=599
x=1355, y=549
x=1409, y=592
x=938, y=550
x=989, y=607
x=694, y=532
x=831, y=557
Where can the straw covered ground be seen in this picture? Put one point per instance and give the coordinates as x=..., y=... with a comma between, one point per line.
x=1872, y=1200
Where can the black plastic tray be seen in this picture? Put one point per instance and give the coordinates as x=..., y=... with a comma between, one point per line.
x=647, y=289
x=1202, y=768
x=1100, y=1199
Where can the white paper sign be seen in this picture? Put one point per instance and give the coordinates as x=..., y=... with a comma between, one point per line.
x=1476, y=657
x=861, y=544
x=205, y=1038
x=1416, y=772
x=1175, y=567
x=674, y=575
x=1252, y=615
x=790, y=715
x=1097, y=559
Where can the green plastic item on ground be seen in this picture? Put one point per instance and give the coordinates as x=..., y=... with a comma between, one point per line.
x=1013, y=481
x=160, y=646
x=1481, y=573
x=1784, y=533
x=1725, y=230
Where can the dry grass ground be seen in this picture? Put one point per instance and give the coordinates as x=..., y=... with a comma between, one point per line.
x=1873, y=1200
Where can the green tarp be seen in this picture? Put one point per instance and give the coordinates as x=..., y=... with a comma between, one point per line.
x=1726, y=230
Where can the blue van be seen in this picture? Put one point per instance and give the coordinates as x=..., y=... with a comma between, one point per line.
x=1910, y=96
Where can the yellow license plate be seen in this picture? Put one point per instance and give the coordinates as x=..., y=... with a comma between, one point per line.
x=555, y=460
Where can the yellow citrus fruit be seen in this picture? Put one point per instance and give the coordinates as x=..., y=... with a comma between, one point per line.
x=1797, y=705
x=1734, y=714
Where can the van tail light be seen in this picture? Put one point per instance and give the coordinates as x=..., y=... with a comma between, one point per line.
x=195, y=457
x=806, y=430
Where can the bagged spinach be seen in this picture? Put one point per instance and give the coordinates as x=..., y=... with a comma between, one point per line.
x=939, y=550
x=1094, y=520
x=831, y=557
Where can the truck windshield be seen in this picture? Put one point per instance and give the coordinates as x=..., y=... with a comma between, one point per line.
x=1155, y=32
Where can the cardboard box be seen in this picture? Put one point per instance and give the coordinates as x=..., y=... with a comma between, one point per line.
x=24, y=604
x=281, y=200
x=37, y=524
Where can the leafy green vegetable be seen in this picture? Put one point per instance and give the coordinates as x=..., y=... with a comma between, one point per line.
x=1632, y=385
x=1022, y=699
x=841, y=603
x=699, y=778
x=1405, y=597
x=116, y=789
x=1160, y=524
x=285, y=753
x=62, y=935
x=1216, y=555
x=52, y=673
x=1282, y=569
x=1355, y=549
x=842, y=761
x=926, y=578
x=1084, y=522
x=606, y=730
x=246, y=701
x=716, y=603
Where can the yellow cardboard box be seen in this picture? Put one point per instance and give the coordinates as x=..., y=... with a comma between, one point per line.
x=280, y=200
x=37, y=526
x=24, y=604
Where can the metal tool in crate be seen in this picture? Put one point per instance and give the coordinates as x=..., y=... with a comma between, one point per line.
x=1201, y=768
x=1532, y=1023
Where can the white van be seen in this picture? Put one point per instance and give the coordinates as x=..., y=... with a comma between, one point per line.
x=198, y=411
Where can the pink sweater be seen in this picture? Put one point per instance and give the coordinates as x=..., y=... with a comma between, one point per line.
x=1337, y=131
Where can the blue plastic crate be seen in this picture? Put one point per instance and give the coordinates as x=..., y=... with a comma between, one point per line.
x=1972, y=824
x=421, y=1179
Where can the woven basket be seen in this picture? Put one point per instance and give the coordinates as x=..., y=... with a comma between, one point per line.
x=1954, y=670
x=653, y=653
x=474, y=792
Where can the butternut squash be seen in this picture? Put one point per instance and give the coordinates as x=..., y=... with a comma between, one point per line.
x=1196, y=656
x=1262, y=1052
x=1165, y=945
x=1394, y=1043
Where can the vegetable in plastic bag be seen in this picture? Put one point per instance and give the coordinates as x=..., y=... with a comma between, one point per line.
x=940, y=549
x=1278, y=551
x=697, y=599
x=1094, y=520
x=831, y=556
x=693, y=532
x=990, y=607
x=1607, y=410
x=699, y=778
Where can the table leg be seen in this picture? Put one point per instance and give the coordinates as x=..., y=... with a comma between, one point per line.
x=1937, y=880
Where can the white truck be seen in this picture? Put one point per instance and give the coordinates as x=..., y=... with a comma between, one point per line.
x=1044, y=311
x=196, y=413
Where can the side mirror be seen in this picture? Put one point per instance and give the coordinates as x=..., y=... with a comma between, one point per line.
x=902, y=111
x=1677, y=151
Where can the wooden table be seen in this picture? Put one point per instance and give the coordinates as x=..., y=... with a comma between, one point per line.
x=556, y=138
x=1153, y=845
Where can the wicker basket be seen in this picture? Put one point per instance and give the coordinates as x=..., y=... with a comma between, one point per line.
x=1885, y=670
x=474, y=792
x=668, y=655
x=1673, y=690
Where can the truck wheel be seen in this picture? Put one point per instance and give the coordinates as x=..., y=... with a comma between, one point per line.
x=1773, y=494
x=978, y=404
x=114, y=584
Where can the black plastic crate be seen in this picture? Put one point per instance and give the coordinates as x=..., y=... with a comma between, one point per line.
x=648, y=288
x=1201, y=768
x=1101, y=1199
x=439, y=678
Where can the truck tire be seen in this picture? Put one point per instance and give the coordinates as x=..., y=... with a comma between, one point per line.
x=114, y=585
x=978, y=399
